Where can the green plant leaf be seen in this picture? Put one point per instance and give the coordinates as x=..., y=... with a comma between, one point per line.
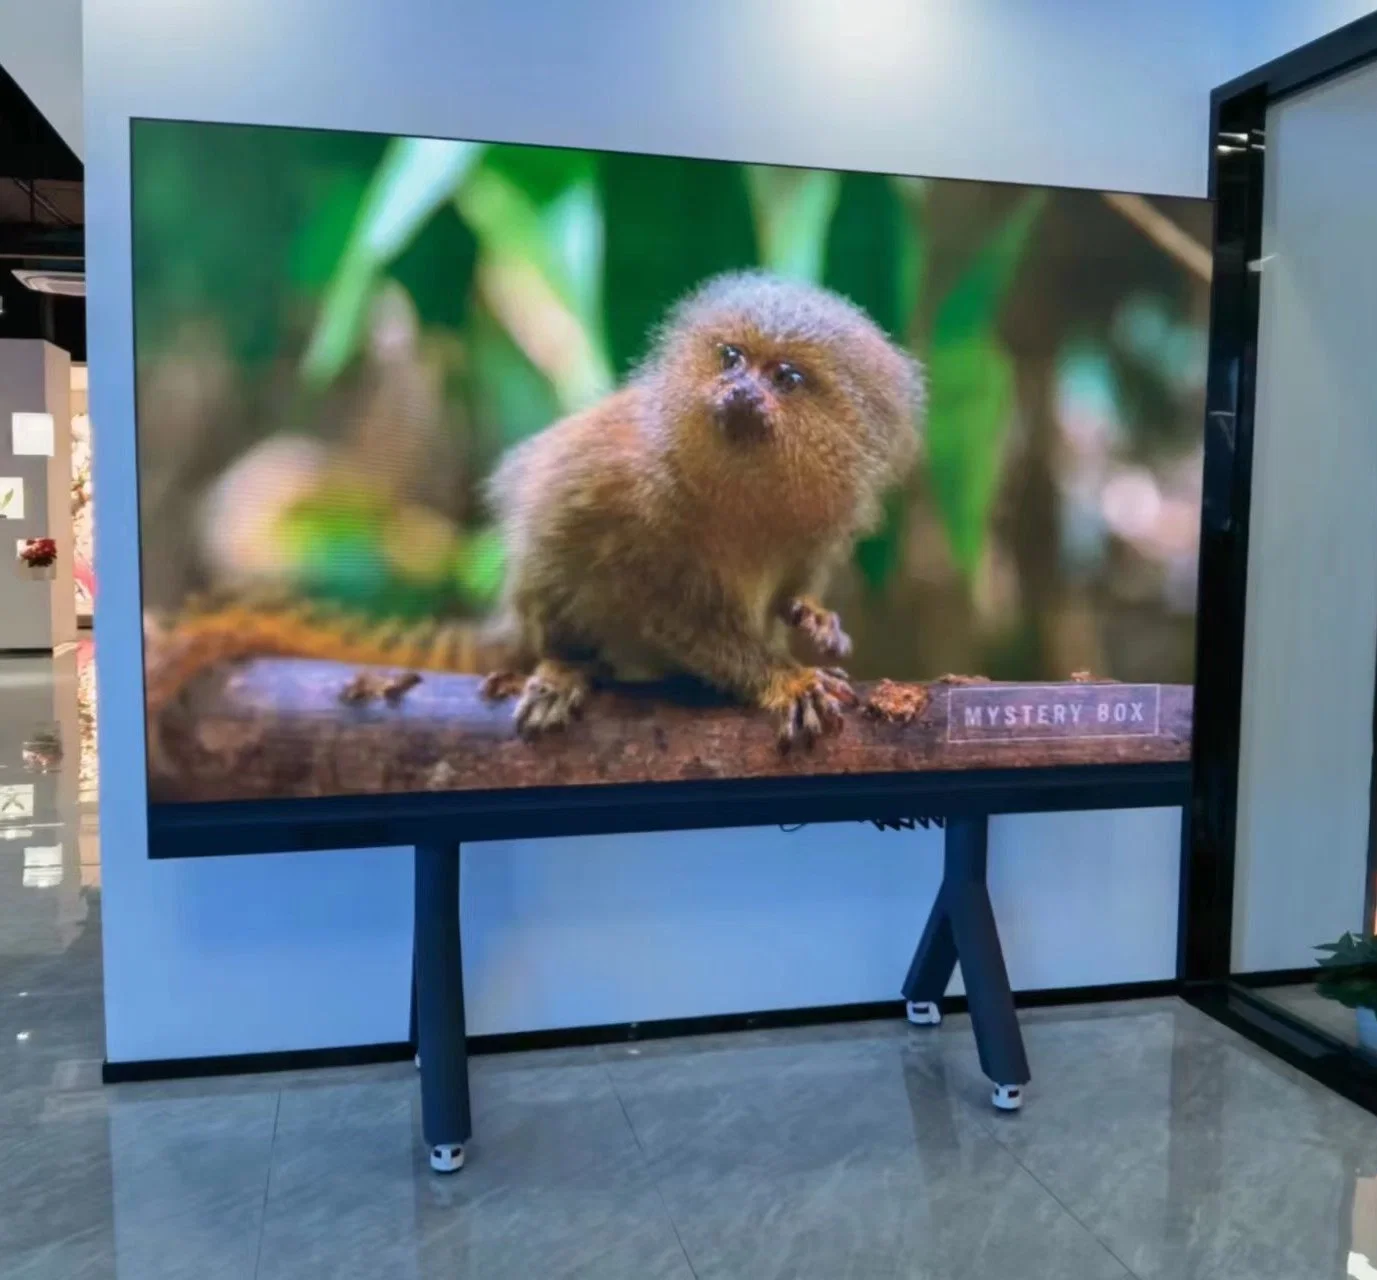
x=543, y=174
x=793, y=208
x=872, y=251
x=971, y=388
x=670, y=223
x=1350, y=950
x=572, y=224
x=972, y=308
x=437, y=268
x=508, y=223
x=970, y=399
x=559, y=186
x=873, y=256
x=511, y=398
x=197, y=255
x=416, y=177
x=560, y=246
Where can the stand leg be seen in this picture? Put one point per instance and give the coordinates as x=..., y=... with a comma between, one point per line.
x=933, y=964
x=993, y=1018
x=962, y=926
x=411, y=1026
x=445, y=1118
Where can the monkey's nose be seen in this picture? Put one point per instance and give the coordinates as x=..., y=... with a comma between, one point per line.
x=741, y=414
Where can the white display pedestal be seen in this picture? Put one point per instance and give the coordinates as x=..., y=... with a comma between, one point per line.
x=37, y=607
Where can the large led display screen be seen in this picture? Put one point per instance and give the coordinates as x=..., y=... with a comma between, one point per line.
x=479, y=467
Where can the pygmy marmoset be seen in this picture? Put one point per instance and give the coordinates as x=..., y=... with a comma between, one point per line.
x=683, y=525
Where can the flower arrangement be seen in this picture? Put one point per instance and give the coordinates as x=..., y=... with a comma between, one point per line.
x=38, y=553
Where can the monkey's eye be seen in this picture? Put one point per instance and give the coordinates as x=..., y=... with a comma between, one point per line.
x=731, y=357
x=787, y=377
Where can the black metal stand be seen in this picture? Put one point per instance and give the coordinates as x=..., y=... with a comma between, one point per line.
x=962, y=926
x=438, y=984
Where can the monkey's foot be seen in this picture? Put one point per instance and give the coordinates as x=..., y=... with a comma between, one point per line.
x=822, y=627
x=498, y=686
x=808, y=702
x=554, y=695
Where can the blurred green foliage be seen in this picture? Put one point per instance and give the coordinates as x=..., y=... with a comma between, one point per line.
x=669, y=225
x=284, y=238
x=971, y=387
x=218, y=228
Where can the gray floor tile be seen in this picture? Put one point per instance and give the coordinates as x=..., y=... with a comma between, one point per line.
x=556, y=1185
x=99, y=1183
x=75, y=969
x=51, y=1043
x=89, y=1255
x=841, y=1158
x=1186, y=1152
x=55, y=1177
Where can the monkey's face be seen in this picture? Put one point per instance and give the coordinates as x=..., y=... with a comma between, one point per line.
x=783, y=397
x=746, y=396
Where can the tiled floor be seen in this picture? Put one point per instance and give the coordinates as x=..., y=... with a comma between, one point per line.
x=1154, y=1144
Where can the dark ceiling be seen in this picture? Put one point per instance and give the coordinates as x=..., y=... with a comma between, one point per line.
x=42, y=222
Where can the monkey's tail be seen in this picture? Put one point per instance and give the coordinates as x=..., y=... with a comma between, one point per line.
x=206, y=637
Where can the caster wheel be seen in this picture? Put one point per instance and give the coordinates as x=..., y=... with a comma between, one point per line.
x=924, y=1013
x=447, y=1158
x=1007, y=1097
x=418, y=1061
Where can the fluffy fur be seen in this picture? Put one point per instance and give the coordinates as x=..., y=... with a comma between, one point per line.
x=682, y=525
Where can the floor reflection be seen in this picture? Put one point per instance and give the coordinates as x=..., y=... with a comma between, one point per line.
x=49, y=833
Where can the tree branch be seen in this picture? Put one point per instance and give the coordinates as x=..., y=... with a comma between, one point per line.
x=276, y=728
x=1163, y=232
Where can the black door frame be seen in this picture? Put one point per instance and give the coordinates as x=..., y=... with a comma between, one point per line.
x=1237, y=164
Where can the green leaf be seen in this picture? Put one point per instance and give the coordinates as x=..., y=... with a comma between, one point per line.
x=572, y=225
x=971, y=309
x=512, y=399
x=971, y=387
x=671, y=223
x=321, y=240
x=560, y=186
x=508, y=223
x=437, y=268
x=1350, y=950
x=970, y=400
x=874, y=257
x=543, y=174
x=561, y=245
x=873, y=252
x=416, y=177
x=793, y=208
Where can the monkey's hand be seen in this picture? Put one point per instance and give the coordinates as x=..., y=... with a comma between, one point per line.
x=822, y=627
x=554, y=695
x=500, y=685
x=808, y=702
